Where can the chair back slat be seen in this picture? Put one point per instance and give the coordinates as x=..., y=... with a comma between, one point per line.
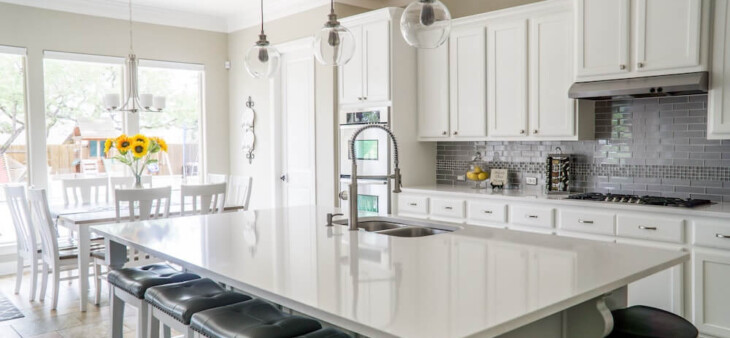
x=81, y=189
x=239, y=190
x=211, y=196
x=143, y=200
x=41, y=216
x=24, y=231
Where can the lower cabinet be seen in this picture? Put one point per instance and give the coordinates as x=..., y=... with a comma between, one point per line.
x=711, y=281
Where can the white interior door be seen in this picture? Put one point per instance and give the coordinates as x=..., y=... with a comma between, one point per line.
x=296, y=92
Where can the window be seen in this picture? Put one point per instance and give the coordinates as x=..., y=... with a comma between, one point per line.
x=180, y=123
x=13, y=126
x=76, y=122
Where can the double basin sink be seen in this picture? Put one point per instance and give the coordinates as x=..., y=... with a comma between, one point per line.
x=399, y=227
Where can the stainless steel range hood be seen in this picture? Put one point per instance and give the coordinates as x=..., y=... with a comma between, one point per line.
x=650, y=86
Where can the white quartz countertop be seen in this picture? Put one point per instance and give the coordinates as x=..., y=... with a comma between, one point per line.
x=475, y=280
x=721, y=210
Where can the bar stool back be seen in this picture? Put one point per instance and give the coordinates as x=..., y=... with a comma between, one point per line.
x=643, y=321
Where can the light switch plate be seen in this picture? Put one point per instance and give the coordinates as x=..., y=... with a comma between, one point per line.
x=461, y=177
x=531, y=180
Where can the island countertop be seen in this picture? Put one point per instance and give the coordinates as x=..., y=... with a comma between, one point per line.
x=473, y=281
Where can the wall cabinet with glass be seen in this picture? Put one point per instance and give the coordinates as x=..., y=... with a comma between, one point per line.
x=632, y=38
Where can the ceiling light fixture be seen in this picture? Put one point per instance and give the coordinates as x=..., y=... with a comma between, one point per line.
x=134, y=102
x=262, y=60
x=426, y=24
x=334, y=44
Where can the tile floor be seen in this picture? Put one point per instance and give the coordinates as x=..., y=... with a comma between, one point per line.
x=66, y=320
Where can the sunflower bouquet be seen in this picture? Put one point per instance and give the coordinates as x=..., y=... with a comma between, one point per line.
x=136, y=152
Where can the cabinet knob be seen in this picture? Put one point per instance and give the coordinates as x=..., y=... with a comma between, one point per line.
x=643, y=227
x=522, y=131
x=365, y=98
x=535, y=132
x=445, y=133
x=640, y=65
x=622, y=67
x=456, y=133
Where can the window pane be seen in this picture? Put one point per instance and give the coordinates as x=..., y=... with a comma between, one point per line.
x=76, y=122
x=178, y=124
x=13, y=159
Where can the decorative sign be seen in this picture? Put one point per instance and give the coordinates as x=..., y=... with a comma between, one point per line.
x=249, y=138
x=499, y=177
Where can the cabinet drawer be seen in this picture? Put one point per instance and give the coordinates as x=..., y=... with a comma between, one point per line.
x=715, y=234
x=532, y=216
x=487, y=211
x=412, y=204
x=651, y=227
x=588, y=222
x=452, y=208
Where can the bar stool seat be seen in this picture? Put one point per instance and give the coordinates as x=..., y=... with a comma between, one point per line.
x=327, y=332
x=643, y=321
x=251, y=319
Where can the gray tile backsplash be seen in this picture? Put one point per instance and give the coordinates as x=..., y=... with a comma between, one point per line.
x=652, y=146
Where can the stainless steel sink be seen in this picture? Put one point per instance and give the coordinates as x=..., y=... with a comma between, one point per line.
x=399, y=227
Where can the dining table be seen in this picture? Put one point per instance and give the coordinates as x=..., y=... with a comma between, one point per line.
x=78, y=218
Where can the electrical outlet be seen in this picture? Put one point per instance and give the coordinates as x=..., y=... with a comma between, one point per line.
x=531, y=180
x=461, y=177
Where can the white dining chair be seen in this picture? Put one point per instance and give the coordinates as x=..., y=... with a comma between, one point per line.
x=53, y=259
x=80, y=189
x=239, y=191
x=210, y=197
x=216, y=178
x=143, y=204
x=27, y=244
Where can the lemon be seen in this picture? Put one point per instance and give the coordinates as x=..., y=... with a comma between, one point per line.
x=472, y=176
x=477, y=169
x=482, y=176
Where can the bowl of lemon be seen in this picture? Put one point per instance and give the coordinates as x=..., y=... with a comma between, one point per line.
x=478, y=175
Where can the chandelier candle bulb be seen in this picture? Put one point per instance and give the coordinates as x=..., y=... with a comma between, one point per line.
x=159, y=102
x=146, y=100
x=112, y=101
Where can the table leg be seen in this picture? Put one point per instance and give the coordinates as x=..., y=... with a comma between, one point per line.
x=116, y=257
x=84, y=258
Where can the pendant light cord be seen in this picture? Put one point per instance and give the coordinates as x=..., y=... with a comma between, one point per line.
x=131, y=30
x=332, y=7
x=262, y=17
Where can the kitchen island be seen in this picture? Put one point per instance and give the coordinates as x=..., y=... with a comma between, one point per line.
x=474, y=281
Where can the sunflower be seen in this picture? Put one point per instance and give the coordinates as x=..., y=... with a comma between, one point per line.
x=108, y=145
x=161, y=143
x=141, y=138
x=123, y=143
x=139, y=149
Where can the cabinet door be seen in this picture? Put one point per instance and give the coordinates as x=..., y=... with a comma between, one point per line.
x=433, y=92
x=552, y=113
x=602, y=46
x=667, y=34
x=718, y=110
x=711, y=296
x=351, y=77
x=376, y=70
x=507, y=79
x=468, y=80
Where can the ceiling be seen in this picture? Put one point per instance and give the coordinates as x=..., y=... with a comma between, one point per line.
x=213, y=15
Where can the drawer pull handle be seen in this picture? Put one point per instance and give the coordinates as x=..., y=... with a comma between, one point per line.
x=584, y=221
x=488, y=212
x=449, y=208
x=413, y=204
x=722, y=236
x=647, y=228
x=532, y=216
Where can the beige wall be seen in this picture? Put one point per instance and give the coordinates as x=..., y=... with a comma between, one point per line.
x=39, y=30
x=242, y=85
x=460, y=8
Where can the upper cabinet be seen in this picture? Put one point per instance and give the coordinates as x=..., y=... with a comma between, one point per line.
x=718, y=109
x=366, y=78
x=669, y=37
x=433, y=93
x=507, y=79
x=468, y=84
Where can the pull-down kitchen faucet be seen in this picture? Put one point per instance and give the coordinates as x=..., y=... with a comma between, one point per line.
x=353, y=217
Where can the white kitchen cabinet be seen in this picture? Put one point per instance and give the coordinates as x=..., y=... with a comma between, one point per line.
x=667, y=34
x=602, y=39
x=467, y=54
x=366, y=78
x=507, y=79
x=667, y=37
x=552, y=113
x=718, y=110
x=711, y=273
x=433, y=92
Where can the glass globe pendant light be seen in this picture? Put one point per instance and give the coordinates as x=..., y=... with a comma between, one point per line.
x=262, y=60
x=426, y=24
x=334, y=44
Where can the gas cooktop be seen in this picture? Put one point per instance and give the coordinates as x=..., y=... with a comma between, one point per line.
x=644, y=200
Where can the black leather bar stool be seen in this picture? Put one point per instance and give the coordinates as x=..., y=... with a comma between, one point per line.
x=129, y=286
x=252, y=319
x=643, y=321
x=174, y=304
x=327, y=332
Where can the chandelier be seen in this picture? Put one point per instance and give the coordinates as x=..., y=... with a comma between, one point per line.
x=133, y=102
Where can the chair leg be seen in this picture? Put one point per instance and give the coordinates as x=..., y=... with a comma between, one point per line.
x=143, y=315
x=153, y=323
x=97, y=283
x=189, y=333
x=44, y=282
x=56, y=286
x=117, y=307
x=18, y=274
x=33, y=279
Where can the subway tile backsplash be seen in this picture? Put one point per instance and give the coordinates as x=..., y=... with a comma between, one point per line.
x=654, y=146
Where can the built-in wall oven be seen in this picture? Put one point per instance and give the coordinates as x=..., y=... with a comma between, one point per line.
x=372, y=153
